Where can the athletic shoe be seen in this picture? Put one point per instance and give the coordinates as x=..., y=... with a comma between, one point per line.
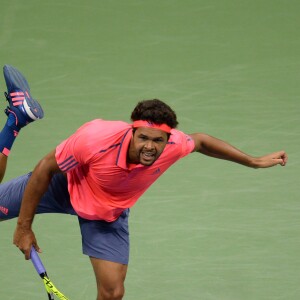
x=21, y=104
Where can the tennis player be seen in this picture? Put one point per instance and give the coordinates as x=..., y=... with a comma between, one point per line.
x=99, y=172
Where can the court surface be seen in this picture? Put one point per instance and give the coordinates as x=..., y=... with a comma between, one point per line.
x=208, y=229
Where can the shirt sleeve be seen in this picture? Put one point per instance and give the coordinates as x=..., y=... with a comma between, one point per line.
x=75, y=150
x=184, y=141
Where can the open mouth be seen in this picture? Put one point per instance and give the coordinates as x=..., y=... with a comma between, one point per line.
x=148, y=156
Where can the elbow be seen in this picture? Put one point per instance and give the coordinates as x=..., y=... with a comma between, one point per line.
x=47, y=166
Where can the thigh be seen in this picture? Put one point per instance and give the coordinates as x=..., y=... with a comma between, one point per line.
x=11, y=193
x=107, y=241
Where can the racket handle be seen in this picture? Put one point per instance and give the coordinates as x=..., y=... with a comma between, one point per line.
x=37, y=262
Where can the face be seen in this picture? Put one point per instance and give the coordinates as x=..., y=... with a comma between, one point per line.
x=146, y=145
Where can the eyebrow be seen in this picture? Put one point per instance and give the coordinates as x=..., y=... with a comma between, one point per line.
x=155, y=138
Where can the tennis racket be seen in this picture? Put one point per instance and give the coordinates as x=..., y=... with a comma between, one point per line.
x=49, y=286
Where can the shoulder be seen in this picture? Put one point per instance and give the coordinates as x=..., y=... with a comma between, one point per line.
x=104, y=124
x=180, y=142
x=102, y=129
x=179, y=137
x=97, y=132
x=91, y=137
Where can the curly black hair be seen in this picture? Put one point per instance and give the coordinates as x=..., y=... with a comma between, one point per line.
x=155, y=111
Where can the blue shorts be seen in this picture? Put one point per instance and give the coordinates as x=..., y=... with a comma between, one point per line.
x=100, y=239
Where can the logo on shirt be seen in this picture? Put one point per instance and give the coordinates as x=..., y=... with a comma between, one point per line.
x=157, y=171
x=188, y=138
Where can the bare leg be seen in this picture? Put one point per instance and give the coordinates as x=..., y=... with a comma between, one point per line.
x=110, y=279
x=3, y=163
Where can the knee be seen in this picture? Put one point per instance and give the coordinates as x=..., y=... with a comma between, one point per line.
x=115, y=293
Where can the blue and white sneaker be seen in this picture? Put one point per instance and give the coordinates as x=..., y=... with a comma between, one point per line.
x=21, y=104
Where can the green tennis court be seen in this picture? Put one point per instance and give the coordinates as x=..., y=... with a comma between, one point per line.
x=208, y=229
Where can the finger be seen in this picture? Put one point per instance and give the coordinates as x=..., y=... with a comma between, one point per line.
x=37, y=248
x=26, y=250
x=285, y=159
x=277, y=161
x=282, y=162
x=27, y=254
x=280, y=158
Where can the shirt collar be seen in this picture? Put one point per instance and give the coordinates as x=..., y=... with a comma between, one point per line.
x=122, y=154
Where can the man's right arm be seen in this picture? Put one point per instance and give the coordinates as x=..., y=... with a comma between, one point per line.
x=37, y=185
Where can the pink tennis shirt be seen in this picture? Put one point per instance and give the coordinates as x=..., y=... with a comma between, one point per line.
x=100, y=182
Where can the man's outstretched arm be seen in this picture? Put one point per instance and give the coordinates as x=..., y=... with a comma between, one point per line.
x=37, y=185
x=214, y=147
